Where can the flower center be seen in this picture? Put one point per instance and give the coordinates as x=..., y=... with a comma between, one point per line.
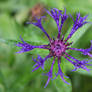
x=57, y=48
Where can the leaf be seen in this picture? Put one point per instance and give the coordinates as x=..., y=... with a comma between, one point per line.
x=14, y=42
x=61, y=86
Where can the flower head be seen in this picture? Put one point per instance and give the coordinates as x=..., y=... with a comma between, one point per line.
x=58, y=47
x=36, y=11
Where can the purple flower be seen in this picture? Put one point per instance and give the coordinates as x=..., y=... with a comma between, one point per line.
x=58, y=47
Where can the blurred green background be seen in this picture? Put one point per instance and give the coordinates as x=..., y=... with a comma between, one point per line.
x=16, y=69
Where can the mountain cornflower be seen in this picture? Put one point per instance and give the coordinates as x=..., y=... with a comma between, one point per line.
x=58, y=47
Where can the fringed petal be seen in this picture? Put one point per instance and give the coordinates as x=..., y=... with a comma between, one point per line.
x=40, y=62
x=25, y=47
x=38, y=23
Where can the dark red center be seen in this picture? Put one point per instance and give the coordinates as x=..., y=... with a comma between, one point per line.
x=57, y=48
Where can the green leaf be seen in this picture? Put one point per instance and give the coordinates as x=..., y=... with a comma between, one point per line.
x=61, y=86
x=14, y=42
